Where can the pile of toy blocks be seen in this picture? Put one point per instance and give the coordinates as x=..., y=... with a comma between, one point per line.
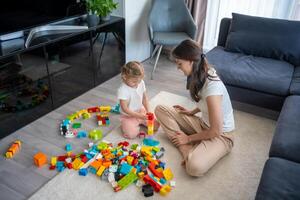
x=122, y=165
x=13, y=149
x=70, y=130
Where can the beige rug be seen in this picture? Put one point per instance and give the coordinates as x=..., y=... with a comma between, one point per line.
x=234, y=177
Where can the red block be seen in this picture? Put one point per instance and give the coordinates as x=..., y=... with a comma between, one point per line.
x=153, y=183
x=154, y=171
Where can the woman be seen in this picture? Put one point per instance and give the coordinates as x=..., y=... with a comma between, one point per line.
x=201, y=141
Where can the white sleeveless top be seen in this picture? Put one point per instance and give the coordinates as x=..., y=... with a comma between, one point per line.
x=216, y=87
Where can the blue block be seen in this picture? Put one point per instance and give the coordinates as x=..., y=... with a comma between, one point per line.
x=163, y=181
x=150, y=142
x=66, y=122
x=81, y=134
x=60, y=168
x=68, y=147
x=125, y=168
x=59, y=164
x=83, y=172
x=92, y=170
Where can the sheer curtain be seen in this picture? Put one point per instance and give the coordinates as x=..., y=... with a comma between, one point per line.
x=218, y=9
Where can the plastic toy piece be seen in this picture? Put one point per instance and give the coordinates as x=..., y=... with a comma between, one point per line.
x=83, y=172
x=168, y=174
x=93, y=109
x=150, y=142
x=150, y=123
x=86, y=115
x=13, y=149
x=154, y=171
x=100, y=170
x=68, y=147
x=154, y=184
x=40, y=159
x=116, y=109
x=76, y=125
x=147, y=190
x=125, y=168
x=105, y=108
x=81, y=134
x=95, y=134
x=127, y=180
x=77, y=164
x=165, y=190
x=53, y=161
x=172, y=183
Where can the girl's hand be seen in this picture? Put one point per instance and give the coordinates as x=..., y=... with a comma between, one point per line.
x=142, y=116
x=182, y=110
x=180, y=139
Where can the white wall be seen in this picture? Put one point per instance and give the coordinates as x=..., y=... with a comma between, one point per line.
x=136, y=14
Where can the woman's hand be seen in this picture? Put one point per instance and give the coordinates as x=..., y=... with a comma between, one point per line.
x=183, y=110
x=180, y=139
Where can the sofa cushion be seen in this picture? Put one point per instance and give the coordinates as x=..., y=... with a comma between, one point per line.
x=256, y=73
x=280, y=180
x=295, y=85
x=286, y=140
x=265, y=37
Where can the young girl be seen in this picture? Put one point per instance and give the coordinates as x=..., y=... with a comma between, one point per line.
x=133, y=100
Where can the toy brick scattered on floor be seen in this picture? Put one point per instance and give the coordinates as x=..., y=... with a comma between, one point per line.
x=13, y=149
x=69, y=128
x=121, y=165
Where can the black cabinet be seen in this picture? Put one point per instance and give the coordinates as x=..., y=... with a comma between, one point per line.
x=49, y=73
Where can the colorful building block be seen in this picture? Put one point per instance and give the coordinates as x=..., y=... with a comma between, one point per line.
x=76, y=125
x=95, y=134
x=13, y=149
x=168, y=174
x=68, y=147
x=40, y=159
x=127, y=180
x=83, y=172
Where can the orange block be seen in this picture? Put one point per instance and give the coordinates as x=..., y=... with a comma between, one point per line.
x=96, y=164
x=40, y=159
x=106, y=163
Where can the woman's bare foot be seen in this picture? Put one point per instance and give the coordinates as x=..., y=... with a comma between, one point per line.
x=184, y=150
x=156, y=125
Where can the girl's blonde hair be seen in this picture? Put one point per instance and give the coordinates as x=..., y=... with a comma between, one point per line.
x=132, y=69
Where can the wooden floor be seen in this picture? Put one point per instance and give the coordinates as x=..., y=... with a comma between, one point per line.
x=19, y=178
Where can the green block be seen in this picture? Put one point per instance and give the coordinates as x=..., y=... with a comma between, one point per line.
x=102, y=146
x=134, y=146
x=76, y=125
x=95, y=134
x=86, y=115
x=127, y=180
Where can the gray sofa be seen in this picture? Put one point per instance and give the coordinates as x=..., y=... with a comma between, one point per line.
x=258, y=59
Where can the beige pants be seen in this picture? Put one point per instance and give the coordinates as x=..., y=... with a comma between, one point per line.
x=204, y=154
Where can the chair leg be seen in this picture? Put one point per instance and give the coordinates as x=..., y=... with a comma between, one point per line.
x=156, y=60
x=154, y=51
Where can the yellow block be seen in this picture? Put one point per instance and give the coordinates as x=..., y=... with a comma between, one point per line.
x=101, y=170
x=168, y=174
x=77, y=164
x=53, y=161
x=130, y=159
x=165, y=190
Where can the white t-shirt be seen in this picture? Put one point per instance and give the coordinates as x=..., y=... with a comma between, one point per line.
x=216, y=87
x=133, y=95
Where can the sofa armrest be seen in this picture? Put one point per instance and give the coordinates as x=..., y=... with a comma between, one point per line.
x=224, y=29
